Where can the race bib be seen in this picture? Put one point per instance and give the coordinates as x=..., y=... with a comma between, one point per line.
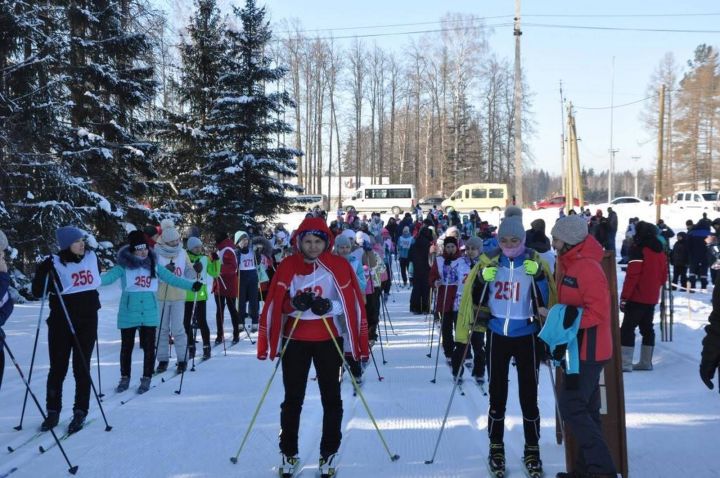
x=139, y=280
x=78, y=277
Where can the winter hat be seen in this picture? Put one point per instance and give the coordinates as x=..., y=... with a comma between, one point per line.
x=475, y=242
x=3, y=241
x=137, y=241
x=66, y=235
x=511, y=225
x=193, y=242
x=450, y=240
x=169, y=232
x=538, y=225
x=239, y=235
x=342, y=241
x=570, y=229
x=452, y=231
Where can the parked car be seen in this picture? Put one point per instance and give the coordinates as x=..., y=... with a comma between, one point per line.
x=557, y=201
x=428, y=202
x=706, y=200
x=622, y=202
x=478, y=196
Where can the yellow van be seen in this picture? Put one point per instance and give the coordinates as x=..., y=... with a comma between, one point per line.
x=478, y=196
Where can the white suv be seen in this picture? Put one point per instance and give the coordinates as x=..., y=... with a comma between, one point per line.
x=707, y=200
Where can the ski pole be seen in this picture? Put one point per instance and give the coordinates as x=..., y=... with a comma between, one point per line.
x=387, y=313
x=234, y=459
x=187, y=349
x=440, y=336
x=381, y=301
x=32, y=360
x=431, y=323
x=456, y=379
x=382, y=350
x=358, y=391
x=372, y=355
x=79, y=351
x=72, y=469
x=557, y=404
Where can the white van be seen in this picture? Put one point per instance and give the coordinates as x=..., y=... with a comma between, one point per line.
x=382, y=198
x=706, y=200
x=479, y=196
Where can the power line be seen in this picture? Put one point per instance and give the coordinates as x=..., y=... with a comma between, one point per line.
x=627, y=29
x=614, y=106
x=393, y=25
x=621, y=15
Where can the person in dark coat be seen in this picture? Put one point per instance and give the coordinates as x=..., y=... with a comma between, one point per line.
x=679, y=261
x=75, y=273
x=420, y=260
x=698, y=254
x=710, y=356
x=612, y=219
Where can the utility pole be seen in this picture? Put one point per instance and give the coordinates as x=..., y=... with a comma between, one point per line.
x=612, y=151
x=637, y=170
x=562, y=136
x=518, y=110
x=658, y=173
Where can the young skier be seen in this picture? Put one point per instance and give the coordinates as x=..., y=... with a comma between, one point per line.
x=473, y=249
x=312, y=299
x=75, y=273
x=203, y=269
x=225, y=287
x=403, y=248
x=138, y=270
x=248, y=299
x=172, y=257
x=518, y=283
x=444, y=278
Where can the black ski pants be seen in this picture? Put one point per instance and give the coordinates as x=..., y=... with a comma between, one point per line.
x=448, y=320
x=147, y=344
x=295, y=367
x=404, y=262
x=580, y=408
x=477, y=342
x=500, y=350
x=680, y=276
x=372, y=310
x=201, y=318
x=637, y=315
x=248, y=298
x=2, y=360
x=60, y=346
x=220, y=302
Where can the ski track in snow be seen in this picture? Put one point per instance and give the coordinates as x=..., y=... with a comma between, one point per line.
x=672, y=419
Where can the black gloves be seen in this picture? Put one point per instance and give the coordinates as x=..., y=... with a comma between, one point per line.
x=170, y=266
x=198, y=267
x=45, y=266
x=571, y=314
x=303, y=301
x=707, y=372
x=559, y=352
x=321, y=306
x=197, y=285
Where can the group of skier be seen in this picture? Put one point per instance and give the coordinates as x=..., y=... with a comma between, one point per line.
x=494, y=296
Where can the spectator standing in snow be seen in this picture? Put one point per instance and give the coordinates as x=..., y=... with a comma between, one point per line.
x=6, y=302
x=679, y=260
x=646, y=274
x=698, y=254
x=583, y=285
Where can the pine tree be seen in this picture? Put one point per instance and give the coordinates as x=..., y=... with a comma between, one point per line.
x=108, y=85
x=183, y=133
x=246, y=169
x=37, y=189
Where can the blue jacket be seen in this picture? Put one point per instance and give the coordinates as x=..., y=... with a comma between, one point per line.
x=139, y=308
x=554, y=333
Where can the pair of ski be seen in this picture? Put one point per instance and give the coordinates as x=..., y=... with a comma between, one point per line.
x=299, y=469
x=497, y=473
x=64, y=437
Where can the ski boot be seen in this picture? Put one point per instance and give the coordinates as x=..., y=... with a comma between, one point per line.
x=532, y=462
x=53, y=417
x=162, y=367
x=144, y=385
x=219, y=339
x=288, y=466
x=496, y=460
x=123, y=385
x=327, y=466
x=206, y=352
x=78, y=421
x=181, y=367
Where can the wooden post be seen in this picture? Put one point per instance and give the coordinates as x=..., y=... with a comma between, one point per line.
x=612, y=388
x=658, y=173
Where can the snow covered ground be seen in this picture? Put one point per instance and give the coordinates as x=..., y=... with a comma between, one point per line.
x=672, y=419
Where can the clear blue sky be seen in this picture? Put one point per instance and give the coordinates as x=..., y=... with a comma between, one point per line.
x=582, y=59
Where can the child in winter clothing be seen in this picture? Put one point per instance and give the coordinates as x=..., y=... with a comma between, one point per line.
x=138, y=270
x=473, y=249
x=248, y=297
x=6, y=302
x=444, y=278
x=312, y=298
x=518, y=283
x=679, y=260
x=404, y=242
x=583, y=285
x=174, y=258
x=225, y=287
x=646, y=274
x=72, y=283
x=203, y=268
